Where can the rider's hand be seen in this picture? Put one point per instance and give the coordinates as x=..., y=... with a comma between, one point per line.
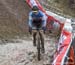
x=44, y=28
x=30, y=30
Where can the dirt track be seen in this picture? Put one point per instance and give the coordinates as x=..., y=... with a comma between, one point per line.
x=24, y=53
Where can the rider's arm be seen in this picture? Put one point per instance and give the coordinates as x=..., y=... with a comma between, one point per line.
x=30, y=20
x=44, y=19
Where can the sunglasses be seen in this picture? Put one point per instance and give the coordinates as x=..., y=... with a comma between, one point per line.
x=35, y=11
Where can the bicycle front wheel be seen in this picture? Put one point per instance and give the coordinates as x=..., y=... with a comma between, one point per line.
x=38, y=48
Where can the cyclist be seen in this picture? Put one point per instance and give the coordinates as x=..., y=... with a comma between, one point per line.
x=37, y=19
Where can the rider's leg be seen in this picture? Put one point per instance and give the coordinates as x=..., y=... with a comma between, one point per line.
x=34, y=37
x=42, y=40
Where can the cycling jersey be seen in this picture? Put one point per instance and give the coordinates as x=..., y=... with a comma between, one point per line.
x=39, y=18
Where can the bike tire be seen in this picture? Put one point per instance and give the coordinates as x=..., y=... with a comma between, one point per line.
x=42, y=44
x=39, y=54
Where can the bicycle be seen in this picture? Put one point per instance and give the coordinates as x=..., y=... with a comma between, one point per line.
x=39, y=43
x=39, y=39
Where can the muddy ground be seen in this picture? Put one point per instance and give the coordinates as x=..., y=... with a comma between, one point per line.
x=22, y=52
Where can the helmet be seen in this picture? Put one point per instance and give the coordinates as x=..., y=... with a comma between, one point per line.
x=35, y=8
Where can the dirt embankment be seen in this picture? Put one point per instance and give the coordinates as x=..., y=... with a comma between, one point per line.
x=62, y=8
x=13, y=18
